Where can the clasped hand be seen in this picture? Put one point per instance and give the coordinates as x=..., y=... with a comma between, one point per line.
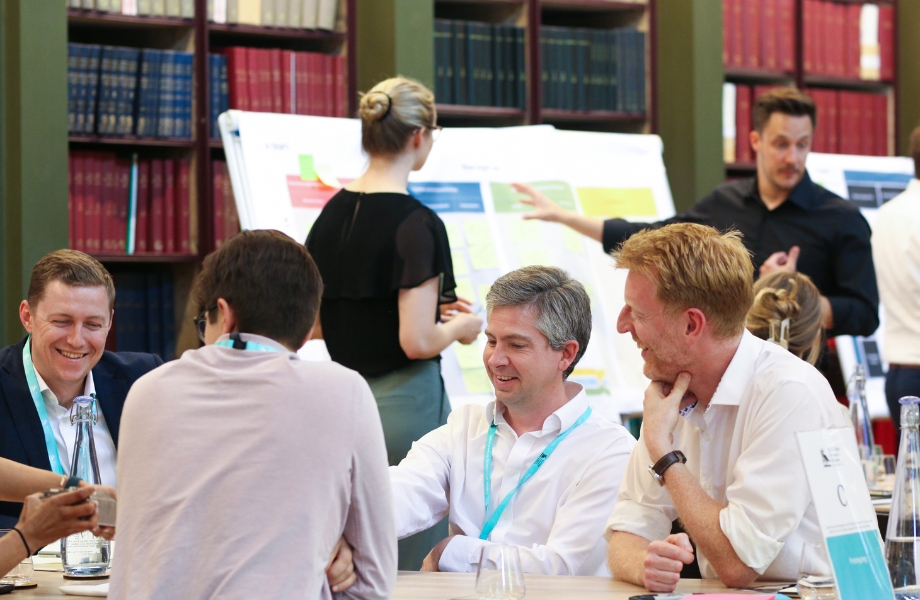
x=660, y=413
x=664, y=561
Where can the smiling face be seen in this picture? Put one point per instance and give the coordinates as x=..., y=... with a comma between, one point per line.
x=523, y=367
x=653, y=329
x=68, y=326
x=782, y=148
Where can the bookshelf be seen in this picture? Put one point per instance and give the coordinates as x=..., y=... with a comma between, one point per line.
x=828, y=29
x=200, y=37
x=537, y=18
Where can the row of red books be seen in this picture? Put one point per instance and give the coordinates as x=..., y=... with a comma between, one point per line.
x=284, y=81
x=848, y=122
x=759, y=34
x=123, y=205
x=226, y=221
x=835, y=36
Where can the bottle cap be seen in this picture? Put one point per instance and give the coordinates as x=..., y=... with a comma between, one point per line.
x=84, y=400
x=910, y=411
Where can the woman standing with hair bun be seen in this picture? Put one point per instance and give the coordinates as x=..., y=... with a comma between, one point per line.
x=790, y=298
x=388, y=277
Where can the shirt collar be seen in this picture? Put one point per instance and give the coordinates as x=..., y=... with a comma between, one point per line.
x=260, y=339
x=563, y=418
x=913, y=186
x=739, y=372
x=48, y=395
x=802, y=195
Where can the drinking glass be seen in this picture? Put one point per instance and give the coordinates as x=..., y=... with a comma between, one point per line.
x=21, y=573
x=815, y=581
x=499, y=576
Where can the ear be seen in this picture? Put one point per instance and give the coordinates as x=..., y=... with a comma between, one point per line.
x=226, y=318
x=695, y=324
x=417, y=138
x=755, y=140
x=25, y=315
x=569, y=352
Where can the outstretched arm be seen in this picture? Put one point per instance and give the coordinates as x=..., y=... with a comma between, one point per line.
x=547, y=210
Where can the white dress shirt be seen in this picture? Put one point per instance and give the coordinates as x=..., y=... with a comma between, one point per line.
x=65, y=434
x=744, y=452
x=556, y=518
x=896, y=251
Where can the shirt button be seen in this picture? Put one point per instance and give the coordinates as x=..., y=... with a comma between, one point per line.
x=707, y=486
x=511, y=472
x=708, y=437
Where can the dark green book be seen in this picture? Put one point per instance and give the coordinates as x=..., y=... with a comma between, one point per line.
x=442, y=44
x=459, y=62
x=520, y=67
x=499, y=72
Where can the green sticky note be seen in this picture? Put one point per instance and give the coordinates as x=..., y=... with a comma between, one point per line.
x=454, y=235
x=534, y=256
x=459, y=260
x=617, y=202
x=464, y=289
x=589, y=289
x=483, y=257
x=571, y=241
x=526, y=232
x=477, y=232
x=477, y=381
x=483, y=290
x=307, y=171
x=507, y=200
x=469, y=356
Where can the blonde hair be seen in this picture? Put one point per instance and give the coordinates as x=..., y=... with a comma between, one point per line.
x=779, y=296
x=694, y=266
x=391, y=111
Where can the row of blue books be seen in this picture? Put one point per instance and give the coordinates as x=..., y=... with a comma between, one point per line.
x=115, y=91
x=219, y=90
x=144, y=314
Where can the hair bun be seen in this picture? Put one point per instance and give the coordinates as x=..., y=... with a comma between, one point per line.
x=374, y=106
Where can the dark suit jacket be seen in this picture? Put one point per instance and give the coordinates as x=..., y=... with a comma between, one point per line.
x=21, y=436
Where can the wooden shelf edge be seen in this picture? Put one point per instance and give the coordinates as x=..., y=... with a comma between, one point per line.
x=483, y=2
x=741, y=167
x=132, y=141
x=592, y=5
x=75, y=15
x=276, y=32
x=746, y=74
x=597, y=116
x=145, y=258
x=458, y=110
x=845, y=82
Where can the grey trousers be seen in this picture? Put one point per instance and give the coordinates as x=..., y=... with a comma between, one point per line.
x=412, y=401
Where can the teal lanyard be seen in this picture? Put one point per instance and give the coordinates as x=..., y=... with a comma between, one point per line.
x=254, y=346
x=487, y=472
x=39, y=401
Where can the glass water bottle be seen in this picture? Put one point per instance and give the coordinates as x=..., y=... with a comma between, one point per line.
x=902, y=540
x=859, y=413
x=83, y=553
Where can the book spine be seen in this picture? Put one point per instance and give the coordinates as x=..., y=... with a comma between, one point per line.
x=751, y=23
x=109, y=204
x=79, y=196
x=188, y=67
x=832, y=102
x=130, y=89
x=168, y=316
x=867, y=123
x=294, y=13
x=123, y=199
x=880, y=117
x=131, y=225
x=165, y=83
x=287, y=89
x=520, y=54
x=266, y=100
x=277, y=84
x=142, y=222
x=217, y=175
x=820, y=27
x=769, y=35
x=786, y=42
x=727, y=28
x=94, y=205
x=808, y=28
x=341, y=87
x=230, y=224
x=252, y=79
x=73, y=74
x=458, y=58
x=224, y=85
x=213, y=95
x=439, y=67
x=851, y=40
x=886, y=41
x=281, y=13
x=153, y=315
x=183, y=212
x=169, y=206
x=743, y=123
x=157, y=199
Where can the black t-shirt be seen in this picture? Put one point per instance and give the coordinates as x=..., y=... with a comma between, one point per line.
x=833, y=235
x=367, y=248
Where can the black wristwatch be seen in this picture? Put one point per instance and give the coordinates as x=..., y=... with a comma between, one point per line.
x=671, y=458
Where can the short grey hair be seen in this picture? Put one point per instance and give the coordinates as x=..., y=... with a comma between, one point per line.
x=562, y=305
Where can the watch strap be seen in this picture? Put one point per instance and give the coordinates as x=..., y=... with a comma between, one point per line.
x=666, y=462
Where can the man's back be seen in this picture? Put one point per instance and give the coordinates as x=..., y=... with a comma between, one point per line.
x=238, y=472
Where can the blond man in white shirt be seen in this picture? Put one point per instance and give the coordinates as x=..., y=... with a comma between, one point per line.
x=729, y=402
x=553, y=466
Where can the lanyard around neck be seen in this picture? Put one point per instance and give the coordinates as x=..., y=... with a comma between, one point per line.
x=39, y=401
x=237, y=343
x=490, y=523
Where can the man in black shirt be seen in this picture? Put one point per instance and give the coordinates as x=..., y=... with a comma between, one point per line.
x=788, y=222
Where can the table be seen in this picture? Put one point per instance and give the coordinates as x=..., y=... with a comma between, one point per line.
x=414, y=585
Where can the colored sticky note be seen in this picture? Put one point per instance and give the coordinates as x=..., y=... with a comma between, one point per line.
x=469, y=356
x=477, y=381
x=507, y=200
x=477, y=232
x=589, y=289
x=325, y=175
x=307, y=171
x=459, y=260
x=526, y=232
x=464, y=288
x=483, y=290
x=617, y=202
x=454, y=235
x=572, y=242
x=534, y=256
x=483, y=257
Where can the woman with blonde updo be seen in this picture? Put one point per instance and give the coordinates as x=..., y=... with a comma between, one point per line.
x=783, y=295
x=388, y=277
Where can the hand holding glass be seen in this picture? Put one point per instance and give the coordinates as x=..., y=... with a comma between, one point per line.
x=499, y=576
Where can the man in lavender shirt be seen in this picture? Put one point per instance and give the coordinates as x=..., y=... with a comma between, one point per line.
x=241, y=467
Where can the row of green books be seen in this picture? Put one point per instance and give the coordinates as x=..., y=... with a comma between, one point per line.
x=593, y=69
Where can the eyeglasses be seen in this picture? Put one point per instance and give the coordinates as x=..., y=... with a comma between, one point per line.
x=201, y=321
x=435, y=132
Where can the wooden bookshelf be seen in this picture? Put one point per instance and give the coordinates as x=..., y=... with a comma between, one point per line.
x=147, y=258
x=767, y=76
x=131, y=141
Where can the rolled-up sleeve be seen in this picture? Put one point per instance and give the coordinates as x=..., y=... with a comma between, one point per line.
x=420, y=483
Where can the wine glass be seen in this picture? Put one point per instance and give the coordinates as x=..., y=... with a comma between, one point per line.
x=815, y=581
x=21, y=573
x=499, y=576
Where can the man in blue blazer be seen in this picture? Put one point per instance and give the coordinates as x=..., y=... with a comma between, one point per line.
x=67, y=314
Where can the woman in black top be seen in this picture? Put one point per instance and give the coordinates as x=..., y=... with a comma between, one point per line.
x=387, y=272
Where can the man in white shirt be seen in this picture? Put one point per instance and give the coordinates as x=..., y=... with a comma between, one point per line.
x=717, y=448
x=896, y=249
x=553, y=466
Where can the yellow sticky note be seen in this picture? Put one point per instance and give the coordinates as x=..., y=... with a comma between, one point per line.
x=526, y=232
x=483, y=291
x=325, y=175
x=477, y=232
x=307, y=172
x=476, y=381
x=459, y=260
x=464, y=288
x=617, y=202
x=469, y=356
x=572, y=241
x=483, y=257
x=589, y=289
x=534, y=256
x=454, y=235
